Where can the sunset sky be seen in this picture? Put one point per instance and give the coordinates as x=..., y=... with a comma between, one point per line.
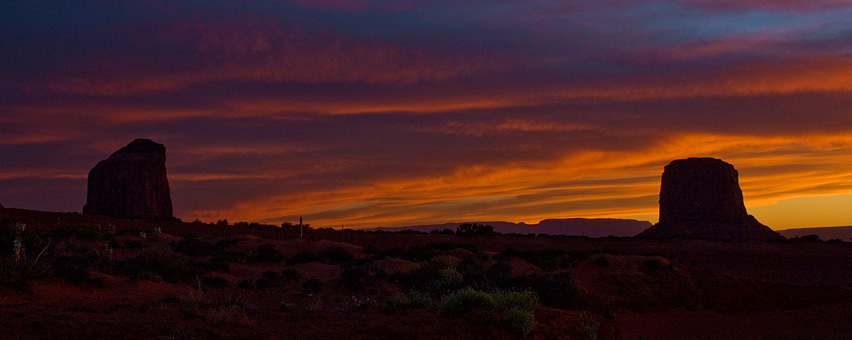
x=401, y=112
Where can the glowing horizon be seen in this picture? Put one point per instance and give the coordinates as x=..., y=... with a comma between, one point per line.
x=368, y=113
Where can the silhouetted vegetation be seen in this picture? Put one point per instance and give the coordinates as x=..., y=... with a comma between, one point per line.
x=83, y=232
x=311, y=286
x=266, y=253
x=192, y=246
x=473, y=229
x=215, y=282
x=160, y=264
x=335, y=255
x=303, y=257
x=806, y=238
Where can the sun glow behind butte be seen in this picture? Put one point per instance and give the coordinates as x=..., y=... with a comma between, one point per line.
x=389, y=113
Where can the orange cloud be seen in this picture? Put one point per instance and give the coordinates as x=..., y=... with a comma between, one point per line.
x=589, y=184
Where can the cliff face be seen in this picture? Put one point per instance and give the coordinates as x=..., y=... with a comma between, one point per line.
x=701, y=198
x=131, y=183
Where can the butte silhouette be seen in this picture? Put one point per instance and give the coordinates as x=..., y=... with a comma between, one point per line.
x=131, y=183
x=701, y=198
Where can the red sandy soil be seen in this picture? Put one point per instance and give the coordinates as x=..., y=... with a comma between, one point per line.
x=629, y=289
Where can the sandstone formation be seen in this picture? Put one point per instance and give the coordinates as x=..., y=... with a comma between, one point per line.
x=701, y=198
x=131, y=183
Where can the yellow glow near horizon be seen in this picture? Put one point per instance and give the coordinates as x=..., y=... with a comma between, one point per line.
x=593, y=184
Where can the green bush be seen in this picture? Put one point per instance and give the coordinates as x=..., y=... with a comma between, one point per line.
x=466, y=300
x=447, y=278
x=525, y=300
x=515, y=308
x=409, y=300
x=520, y=321
x=556, y=290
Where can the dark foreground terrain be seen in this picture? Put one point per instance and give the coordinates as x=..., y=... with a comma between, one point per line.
x=70, y=276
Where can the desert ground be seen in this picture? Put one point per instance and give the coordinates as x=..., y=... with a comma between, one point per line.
x=66, y=275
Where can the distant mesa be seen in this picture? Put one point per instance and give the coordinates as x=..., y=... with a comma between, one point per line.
x=701, y=198
x=591, y=227
x=131, y=183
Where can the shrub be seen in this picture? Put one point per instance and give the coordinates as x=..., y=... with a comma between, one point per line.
x=285, y=306
x=466, y=300
x=515, y=308
x=191, y=246
x=83, y=232
x=215, y=282
x=269, y=279
x=214, y=264
x=246, y=284
x=266, y=253
x=171, y=266
x=602, y=261
x=333, y=255
x=448, y=278
x=303, y=257
x=352, y=277
x=518, y=320
x=555, y=290
x=588, y=326
x=312, y=286
x=291, y=274
x=652, y=266
x=411, y=299
x=75, y=270
x=525, y=300
x=22, y=250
